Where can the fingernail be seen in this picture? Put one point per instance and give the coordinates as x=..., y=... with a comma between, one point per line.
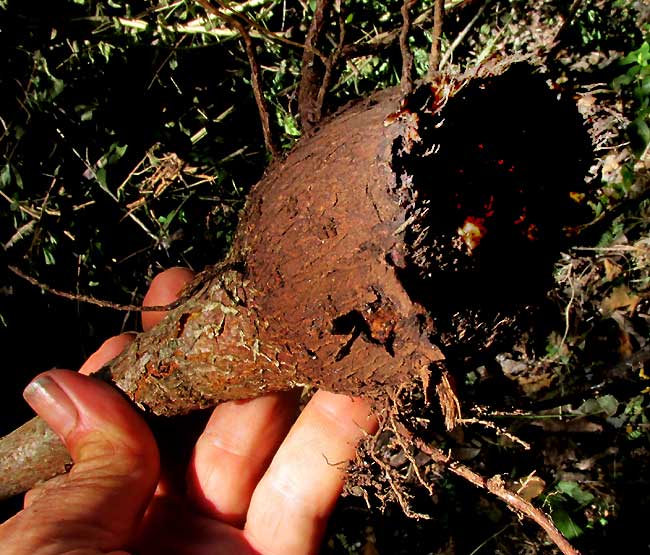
x=52, y=404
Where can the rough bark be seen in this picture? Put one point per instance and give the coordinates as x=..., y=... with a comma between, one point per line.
x=375, y=237
x=309, y=294
x=30, y=454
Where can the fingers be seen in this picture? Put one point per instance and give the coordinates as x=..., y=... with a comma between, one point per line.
x=97, y=505
x=290, y=506
x=164, y=289
x=238, y=442
x=107, y=352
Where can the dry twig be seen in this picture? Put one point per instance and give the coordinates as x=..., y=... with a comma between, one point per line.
x=568, y=20
x=436, y=39
x=498, y=429
x=330, y=64
x=497, y=487
x=459, y=38
x=312, y=74
x=255, y=72
x=92, y=300
x=406, y=81
x=387, y=39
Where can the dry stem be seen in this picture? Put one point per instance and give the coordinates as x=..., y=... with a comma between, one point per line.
x=496, y=486
x=255, y=72
x=312, y=80
x=459, y=38
x=184, y=296
x=406, y=82
x=436, y=39
x=92, y=300
x=330, y=66
x=385, y=40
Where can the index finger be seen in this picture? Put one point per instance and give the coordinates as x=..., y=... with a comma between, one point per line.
x=164, y=289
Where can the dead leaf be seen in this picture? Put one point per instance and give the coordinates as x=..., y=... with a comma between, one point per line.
x=531, y=377
x=576, y=425
x=611, y=167
x=620, y=297
x=612, y=270
x=586, y=101
x=531, y=487
x=465, y=453
x=607, y=405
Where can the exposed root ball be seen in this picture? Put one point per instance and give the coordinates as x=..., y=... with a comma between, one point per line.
x=356, y=252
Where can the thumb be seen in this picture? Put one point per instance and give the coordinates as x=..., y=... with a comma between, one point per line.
x=99, y=504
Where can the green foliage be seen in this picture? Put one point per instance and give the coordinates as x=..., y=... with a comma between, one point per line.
x=101, y=92
x=602, y=25
x=635, y=83
x=606, y=405
x=575, y=509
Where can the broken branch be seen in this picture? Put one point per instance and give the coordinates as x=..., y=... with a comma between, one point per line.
x=496, y=487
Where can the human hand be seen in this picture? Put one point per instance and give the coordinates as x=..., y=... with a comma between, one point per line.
x=259, y=480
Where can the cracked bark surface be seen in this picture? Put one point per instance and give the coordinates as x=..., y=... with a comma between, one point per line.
x=309, y=294
x=375, y=240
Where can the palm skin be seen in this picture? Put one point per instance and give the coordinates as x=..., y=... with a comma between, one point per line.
x=260, y=481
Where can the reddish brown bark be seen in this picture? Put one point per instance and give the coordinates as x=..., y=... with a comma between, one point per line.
x=309, y=293
x=359, y=248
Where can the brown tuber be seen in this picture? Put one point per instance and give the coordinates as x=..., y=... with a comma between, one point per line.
x=310, y=257
x=336, y=275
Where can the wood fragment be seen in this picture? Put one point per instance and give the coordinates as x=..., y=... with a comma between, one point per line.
x=449, y=404
x=266, y=319
x=43, y=454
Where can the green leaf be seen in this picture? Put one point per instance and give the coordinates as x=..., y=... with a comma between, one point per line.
x=607, y=405
x=100, y=176
x=641, y=127
x=49, y=257
x=573, y=490
x=641, y=56
x=115, y=153
x=566, y=524
x=5, y=176
x=87, y=115
x=622, y=81
x=57, y=88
